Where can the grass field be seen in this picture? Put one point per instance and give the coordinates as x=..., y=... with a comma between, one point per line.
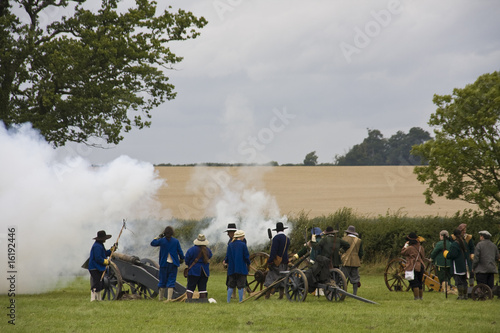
x=68, y=309
x=319, y=191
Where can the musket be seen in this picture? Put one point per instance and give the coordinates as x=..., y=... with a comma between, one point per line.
x=114, y=247
x=445, y=269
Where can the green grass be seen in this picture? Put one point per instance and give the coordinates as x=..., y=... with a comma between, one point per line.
x=68, y=309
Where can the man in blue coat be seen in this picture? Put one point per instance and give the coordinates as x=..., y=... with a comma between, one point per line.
x=171, y=256
x=98, y=261
x=238, y=261
x=278, y=260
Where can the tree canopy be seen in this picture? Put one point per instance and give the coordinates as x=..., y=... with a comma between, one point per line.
x=311, y=159
x=464, y=157
x=377, y=150
x=92, y=74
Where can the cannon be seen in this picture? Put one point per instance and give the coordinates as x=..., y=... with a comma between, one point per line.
x=300, y=280
x=394, y=276
x=130, y=275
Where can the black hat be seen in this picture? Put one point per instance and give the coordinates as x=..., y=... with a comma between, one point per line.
x=231, y=227
x=101, y=236
x=412, y=236
x=280, y=227
x=329, y=230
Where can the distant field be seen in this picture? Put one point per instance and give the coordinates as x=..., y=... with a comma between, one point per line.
x=369, y=191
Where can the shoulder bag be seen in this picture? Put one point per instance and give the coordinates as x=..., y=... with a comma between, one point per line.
x=410, y=275
x=277, y=260
x=186, y=270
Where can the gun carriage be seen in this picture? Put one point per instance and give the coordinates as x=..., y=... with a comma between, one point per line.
x=133, y=276
x=301, y=279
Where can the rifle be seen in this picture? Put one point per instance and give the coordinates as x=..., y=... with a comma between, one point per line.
x=114, y=249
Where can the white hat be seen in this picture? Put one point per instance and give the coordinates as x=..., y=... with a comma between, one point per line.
x=201, y=240
x=239, y=233
x=485, y=233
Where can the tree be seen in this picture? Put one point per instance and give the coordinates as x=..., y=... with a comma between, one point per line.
x=92, y=74
x=311, y=158
x=400, y=144
x=372, y=151
x=464, y=157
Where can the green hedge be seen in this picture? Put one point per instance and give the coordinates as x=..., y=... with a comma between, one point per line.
x=383, y=236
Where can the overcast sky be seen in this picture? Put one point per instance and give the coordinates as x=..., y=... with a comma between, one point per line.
x=272, y=80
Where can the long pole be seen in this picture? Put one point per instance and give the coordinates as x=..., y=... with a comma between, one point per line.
x=445, y=268
x=114, y=248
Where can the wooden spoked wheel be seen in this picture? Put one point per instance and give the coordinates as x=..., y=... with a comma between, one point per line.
x=257, y=271
x=339, y=279
x=394, y=275
x=296, y=285
x=481, y=292
x=112, y=283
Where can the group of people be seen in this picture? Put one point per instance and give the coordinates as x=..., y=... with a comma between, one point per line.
x=197, y=260
x=324, y=248
x=454, y=256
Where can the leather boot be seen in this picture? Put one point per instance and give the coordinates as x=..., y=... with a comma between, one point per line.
x=170, y=294
x=421, y=294
x=268, y=293
x=161, y=294
x=416, y=294
x=355, y=289
x=460, y=293
x=466, y=291
x=282, y=293
x=204, y=295
x=189, y=294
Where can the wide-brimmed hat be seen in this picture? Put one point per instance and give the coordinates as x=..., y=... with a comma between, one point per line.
x=316, y=231
x=412, y=236
x=231, y=227
x=462, y=226
x=280, y=227
x=330, y=230
x=485, y=233
x=201, y=240
x=444, y=233
x=239, y=233
x=101, y=235
x=351, y=230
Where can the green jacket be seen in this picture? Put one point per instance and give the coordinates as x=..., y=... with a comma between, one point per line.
x=456, y=255
x=325, y=247
x=437, y=254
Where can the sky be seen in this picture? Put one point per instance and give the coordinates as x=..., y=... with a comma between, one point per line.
x=276, y=80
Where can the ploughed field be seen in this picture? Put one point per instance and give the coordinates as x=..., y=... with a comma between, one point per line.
x=193, y=192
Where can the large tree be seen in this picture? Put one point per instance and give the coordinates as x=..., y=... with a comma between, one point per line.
x=464, y=157
x=91, y=74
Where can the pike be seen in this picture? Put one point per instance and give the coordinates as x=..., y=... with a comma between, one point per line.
x=114, y=247
x=445, y=268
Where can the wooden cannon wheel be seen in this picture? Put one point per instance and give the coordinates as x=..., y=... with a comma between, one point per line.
x=340, y=281
x=113, y=283
x=481, y=292
x=394, y=275
x=257, y=271
x=296, y=285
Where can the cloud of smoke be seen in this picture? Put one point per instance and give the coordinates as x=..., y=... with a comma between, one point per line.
x=58, y=207
x=236, y=198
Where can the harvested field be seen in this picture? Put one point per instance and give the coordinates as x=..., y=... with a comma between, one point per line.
x=319, y=190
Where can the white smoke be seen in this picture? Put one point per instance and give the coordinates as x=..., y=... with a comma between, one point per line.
x=238, y=199
x=57, y=207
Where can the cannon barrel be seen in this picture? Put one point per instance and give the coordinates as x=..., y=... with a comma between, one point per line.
x=131, y=259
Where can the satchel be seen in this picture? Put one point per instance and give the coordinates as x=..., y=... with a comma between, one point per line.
x=277, y=260
x=410, y=275
x=186, y=270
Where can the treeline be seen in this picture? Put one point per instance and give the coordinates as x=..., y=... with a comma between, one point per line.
x=377, y=150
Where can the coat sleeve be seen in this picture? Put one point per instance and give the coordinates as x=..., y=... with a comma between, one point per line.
x=179, y=251
x=477, y=255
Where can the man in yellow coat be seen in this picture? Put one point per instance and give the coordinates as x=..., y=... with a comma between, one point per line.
x=351, y=259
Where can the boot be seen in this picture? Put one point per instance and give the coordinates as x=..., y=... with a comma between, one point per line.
x=161, y=294
x=466, y=291
x=189, y=294
x=421, y=294
x=355, y=289
x=282, y=293
x=98, y=296
x=460, y=292
x=204, y=295
x=416, y=294
x=268, y=293
x=170, y=294
x=92, y=296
